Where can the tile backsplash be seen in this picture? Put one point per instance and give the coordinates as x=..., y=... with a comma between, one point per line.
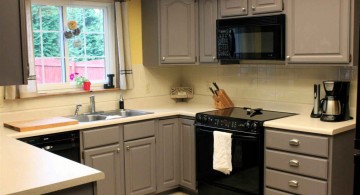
x=267, y=83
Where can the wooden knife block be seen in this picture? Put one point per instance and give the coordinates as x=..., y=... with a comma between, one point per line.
x=222, y=100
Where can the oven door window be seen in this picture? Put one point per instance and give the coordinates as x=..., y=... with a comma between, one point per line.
x=247, y=163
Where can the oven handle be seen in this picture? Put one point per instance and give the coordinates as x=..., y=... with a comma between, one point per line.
x=234, y=136
x=226, y=130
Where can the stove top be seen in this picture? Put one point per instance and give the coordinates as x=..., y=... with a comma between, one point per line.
x=241, y=119
x=256, y=114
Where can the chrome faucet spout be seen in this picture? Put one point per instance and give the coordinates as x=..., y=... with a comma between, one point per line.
x=92, y=104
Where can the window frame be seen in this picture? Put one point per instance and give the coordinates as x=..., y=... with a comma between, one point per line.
x=109, y=44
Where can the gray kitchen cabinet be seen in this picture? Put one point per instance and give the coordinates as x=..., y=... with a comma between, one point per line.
x=266, y=6
x=232, y=8
x=140, y=166
x=103, y=150
x=168, y=155
x=303, y=163
x=187, y=154
x=178, y=31
x=13, y=43
x=207, y=27
x=321, y=33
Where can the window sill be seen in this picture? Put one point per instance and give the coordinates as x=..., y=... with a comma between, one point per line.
x=71, y=93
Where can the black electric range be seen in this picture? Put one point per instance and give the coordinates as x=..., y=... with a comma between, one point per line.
x=246, y=127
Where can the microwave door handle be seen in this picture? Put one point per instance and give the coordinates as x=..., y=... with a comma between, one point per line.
x=231, y=43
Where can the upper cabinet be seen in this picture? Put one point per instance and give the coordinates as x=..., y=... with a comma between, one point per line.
x=13, y=44
x=179, y=31
x=231, y=8
x=318, y=31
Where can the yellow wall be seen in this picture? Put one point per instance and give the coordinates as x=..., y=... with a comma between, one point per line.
x=135, y=31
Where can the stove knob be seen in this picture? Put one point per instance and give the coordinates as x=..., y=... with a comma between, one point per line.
x=255, y=126
x=248, y=124
x=205, y=119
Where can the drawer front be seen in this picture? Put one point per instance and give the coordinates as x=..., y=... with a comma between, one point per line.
x=297, y=142
x=101, y=136
x=294, y=183
x=139, y=130
x=299, y=164
x=269, y=191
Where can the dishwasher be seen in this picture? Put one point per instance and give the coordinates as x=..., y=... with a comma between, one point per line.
x=66, y=144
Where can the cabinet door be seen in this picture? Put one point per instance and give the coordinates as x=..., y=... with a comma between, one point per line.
x=13, y=46
x=168, y=155
x=178, y=31
x=233, y=8
x=108, y=159
x=140, y=166
x=318, y=31
x=266, y=6
x=207, y=35
x=187, y=154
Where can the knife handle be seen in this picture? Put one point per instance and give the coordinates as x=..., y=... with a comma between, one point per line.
x=216, y=86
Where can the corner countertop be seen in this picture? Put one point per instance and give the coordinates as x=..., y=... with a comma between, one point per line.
x=23, y=173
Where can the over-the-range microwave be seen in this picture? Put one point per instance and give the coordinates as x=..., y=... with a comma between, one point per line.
x=251, y=38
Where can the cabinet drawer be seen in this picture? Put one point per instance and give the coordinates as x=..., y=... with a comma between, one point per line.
x=139, y=130
x=294, y=183
x=299, y=164
x=296, y=142
x=269, y=191
x=101, y=136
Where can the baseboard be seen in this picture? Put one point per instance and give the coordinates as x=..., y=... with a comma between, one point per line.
x=178, y=189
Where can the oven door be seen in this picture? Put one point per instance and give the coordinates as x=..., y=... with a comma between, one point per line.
x=247, y=161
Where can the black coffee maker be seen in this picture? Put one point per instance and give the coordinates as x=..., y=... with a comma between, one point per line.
x=335, y=105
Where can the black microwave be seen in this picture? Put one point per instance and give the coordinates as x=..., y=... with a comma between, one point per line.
x=251, y=38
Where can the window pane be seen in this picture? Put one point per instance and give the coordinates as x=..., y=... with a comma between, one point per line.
x=95, y=45
x=35, y=17
x=49, y=70
x=76, y=46
x=37, y=44
x=76, y=14
x=92, y=68
x=52, y=44
x=50, y=18
x=94, y=20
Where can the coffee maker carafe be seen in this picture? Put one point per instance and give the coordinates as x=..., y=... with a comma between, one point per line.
x=335, y=105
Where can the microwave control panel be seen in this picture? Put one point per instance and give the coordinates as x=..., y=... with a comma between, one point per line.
x=224, y=43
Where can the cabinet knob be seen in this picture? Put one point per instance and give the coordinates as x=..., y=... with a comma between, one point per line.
x=163, y=58
x=243, y=9
x=214, y=58
x=253, y=8
x=293, y=183
x=294, y=163
x=127, y=148
x=287, y=57
x=118, y=150
x=294, y=142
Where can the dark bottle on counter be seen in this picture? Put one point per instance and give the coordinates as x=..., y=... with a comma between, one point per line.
x=121, y=103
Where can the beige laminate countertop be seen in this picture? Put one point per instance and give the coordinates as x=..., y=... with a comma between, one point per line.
x=22, y=172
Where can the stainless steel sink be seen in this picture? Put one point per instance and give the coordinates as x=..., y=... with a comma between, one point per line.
x=113, y=114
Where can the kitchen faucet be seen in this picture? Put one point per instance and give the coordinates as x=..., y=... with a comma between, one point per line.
x=77, y=109
x=92, y=104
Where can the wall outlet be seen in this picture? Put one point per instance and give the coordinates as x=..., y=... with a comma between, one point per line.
x=147, y=88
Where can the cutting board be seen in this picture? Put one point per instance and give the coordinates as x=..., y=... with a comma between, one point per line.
x=30, y=125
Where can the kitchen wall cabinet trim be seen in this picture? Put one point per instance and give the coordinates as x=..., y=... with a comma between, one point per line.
x=140, y=166
x=13, y=43
x=321, y=33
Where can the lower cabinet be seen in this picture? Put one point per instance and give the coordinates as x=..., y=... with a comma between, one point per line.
x=187, y=154
x=140, y=166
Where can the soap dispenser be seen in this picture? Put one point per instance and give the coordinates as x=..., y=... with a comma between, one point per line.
x=121, y=103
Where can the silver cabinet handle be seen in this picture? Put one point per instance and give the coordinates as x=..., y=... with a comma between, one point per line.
x=293, y=183
x=243, y=9
x=294, y=163
x=253, y=7
x=294, y=142
x=214, y=58
x=287, y=57
x=163, y=58
x=47, y=147
x=118, y=150
x=127, y=148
